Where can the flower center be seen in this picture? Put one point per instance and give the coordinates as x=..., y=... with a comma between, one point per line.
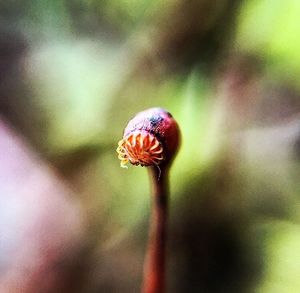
x=140, y=148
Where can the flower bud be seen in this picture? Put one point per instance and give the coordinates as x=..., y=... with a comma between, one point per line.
x=151, y=138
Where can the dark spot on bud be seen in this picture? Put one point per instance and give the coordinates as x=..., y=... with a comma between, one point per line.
x=154, y=120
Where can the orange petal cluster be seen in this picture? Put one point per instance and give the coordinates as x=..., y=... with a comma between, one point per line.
x=140, y=148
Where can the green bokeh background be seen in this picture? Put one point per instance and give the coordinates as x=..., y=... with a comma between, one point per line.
x=228, y=71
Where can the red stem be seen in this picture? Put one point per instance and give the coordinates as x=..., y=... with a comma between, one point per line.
x=154, y=266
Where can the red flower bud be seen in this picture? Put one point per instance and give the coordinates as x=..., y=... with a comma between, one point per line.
x=151, y=138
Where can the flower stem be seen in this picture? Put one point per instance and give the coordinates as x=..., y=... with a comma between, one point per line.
x=154, y=266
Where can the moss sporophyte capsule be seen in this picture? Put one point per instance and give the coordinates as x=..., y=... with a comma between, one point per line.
x=151, y=138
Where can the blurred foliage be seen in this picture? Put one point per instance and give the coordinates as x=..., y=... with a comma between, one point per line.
x=74, y=72
x=269, y=29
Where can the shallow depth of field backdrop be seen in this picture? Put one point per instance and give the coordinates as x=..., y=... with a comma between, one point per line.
x=72, y=72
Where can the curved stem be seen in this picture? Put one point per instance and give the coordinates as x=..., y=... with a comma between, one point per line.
x=154, y=266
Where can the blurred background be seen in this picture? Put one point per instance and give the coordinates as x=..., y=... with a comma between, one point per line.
x=72, y=73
